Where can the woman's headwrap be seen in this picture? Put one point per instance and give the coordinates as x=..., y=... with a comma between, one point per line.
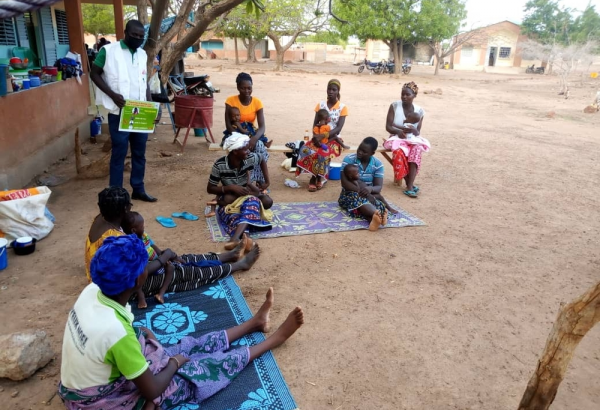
x=335, y=82
x=235, y=141
x=413, y=86
x=117, y=264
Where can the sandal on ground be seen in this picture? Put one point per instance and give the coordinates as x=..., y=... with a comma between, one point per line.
x=319, y=186
x=416, y=188
x=412, y=194
x=185, y=215
x=166, y=222
x=312, y=188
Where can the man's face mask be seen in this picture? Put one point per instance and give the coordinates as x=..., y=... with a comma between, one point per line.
x=133, y=42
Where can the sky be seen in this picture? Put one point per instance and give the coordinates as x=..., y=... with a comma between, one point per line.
x=486, y=12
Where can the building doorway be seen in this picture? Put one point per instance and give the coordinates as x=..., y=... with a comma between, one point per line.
x=492, y=56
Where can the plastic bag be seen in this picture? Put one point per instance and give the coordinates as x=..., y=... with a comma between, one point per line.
x=154, y=84
x=23, y=213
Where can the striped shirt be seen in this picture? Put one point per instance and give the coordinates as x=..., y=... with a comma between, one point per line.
x=222, y=172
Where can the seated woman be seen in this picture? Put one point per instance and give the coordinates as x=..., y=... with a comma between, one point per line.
x=310, y=158
x=109, y=364
x=251, y=111
x=406, y=156
x=355, y=198
x=115, y=203
x=233, y=172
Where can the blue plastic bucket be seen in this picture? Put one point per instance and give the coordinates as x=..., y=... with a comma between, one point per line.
x=335, y=171
x=26, y=84
x=200, y=132
x=3, y=254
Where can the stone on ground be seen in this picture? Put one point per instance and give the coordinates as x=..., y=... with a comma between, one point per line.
x=23, y=353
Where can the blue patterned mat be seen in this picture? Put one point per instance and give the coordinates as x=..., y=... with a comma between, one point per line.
x=307, y=218
x=260, y=386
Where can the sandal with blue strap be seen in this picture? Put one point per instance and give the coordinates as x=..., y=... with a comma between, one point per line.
x=412, y=193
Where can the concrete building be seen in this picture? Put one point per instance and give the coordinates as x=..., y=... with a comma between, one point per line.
x=494, y=49
x=377, y=50
x=38, y=125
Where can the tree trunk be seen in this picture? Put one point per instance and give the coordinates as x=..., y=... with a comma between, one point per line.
x=437, y=60
x=251, y=50
x=400, y=45
x=142, y=11
x=280, y=52
x=573, y=322
x=237, y=54
x=397, y=62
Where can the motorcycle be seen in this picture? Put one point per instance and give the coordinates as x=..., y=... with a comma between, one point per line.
x=198, y=85
x=534, y=70
x=388, y=67
x=372, y=67
x=406, y=66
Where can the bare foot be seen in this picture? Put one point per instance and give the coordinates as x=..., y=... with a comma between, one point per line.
x=233, y=255
x=142, y=303
x=375, y=222
x=159, y=298
x=384, y=218
x=247, y=261
x=263, y=323
x=293, y=322
x=248, y=243
x=268, y=144
x=345, y=146
x=232, y=245
x=392, y=210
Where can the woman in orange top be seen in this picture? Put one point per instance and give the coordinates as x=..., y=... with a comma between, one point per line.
x=251, y=110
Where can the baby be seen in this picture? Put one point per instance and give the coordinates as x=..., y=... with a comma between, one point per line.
x=322, y=127
x=412, y=121
x=352, y=174
x=246, y=128
x=224, y=200
x=134, y=223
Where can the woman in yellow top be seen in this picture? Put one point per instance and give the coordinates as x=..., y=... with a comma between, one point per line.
x=251, y=111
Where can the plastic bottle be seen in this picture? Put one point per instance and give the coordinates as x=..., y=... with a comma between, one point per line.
x=306, y=136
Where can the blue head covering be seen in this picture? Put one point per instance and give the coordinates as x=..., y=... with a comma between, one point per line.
x=118, y=263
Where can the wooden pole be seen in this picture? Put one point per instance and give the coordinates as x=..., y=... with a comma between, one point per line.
x=573, y=322
x=119, y=19
x=75, y=27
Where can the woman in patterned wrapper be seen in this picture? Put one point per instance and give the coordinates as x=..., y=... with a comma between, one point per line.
x=109, y=364
x=310, y=158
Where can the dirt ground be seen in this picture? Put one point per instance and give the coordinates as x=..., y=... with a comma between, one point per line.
x=453, y=315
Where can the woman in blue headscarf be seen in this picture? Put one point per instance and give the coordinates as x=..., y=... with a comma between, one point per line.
x=107, y=363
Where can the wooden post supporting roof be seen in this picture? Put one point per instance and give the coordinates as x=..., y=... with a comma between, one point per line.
x=119, y=19
x=75, y=27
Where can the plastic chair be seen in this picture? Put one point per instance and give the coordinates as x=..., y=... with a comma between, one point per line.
x=26, y=53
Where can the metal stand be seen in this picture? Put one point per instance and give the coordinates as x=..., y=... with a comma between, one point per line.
x=187, y=133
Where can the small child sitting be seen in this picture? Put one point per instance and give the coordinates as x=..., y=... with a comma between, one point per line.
x=322, y=127
x=134, y=223
x=352, y=174
x=246, y=128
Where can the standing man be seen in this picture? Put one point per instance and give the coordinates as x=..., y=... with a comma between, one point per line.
x=119, y=72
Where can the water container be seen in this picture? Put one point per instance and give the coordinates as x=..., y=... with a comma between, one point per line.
x=3, y=254
x=35, y=81
x=200, y=132
x=95, y=126
x=335, y=171
x=26, y=84
x=184, y=107
x=3, y=79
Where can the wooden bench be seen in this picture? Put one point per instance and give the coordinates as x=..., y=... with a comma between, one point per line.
x=283, y=148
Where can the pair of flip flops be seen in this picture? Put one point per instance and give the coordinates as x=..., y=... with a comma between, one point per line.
x=412, y=193
x=170, y=223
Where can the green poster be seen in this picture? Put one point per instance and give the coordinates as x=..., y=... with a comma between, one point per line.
x=138, y=116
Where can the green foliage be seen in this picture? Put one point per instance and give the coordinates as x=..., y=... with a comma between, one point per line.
x=243, y=22
x=587, y=26
x=329, y=37
x=547, y=22
x=377, y=19
x=440, y=20
x=98, y=19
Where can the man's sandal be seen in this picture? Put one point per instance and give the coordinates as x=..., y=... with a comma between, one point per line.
x=412, y=194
